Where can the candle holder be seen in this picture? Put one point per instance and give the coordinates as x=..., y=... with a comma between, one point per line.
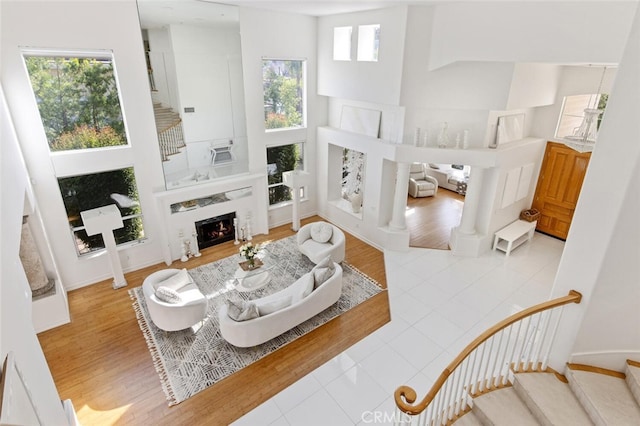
x=235, y=230
x=196, y=252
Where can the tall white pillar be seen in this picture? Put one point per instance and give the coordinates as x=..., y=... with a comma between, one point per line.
x=104, y=220
x=398, y=221
x=471, y=202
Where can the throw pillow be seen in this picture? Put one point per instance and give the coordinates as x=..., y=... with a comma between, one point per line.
x=434, y=166
x=241, y=310
x=177, y=281
x=323, y=271
x=321, y=232
x=304, y=288
x=168, y=295
x=273, y=306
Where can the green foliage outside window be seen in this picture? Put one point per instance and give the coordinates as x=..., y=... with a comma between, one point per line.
x=282, y=159
x=74, y=95
x=283, y=85
x=91, y=191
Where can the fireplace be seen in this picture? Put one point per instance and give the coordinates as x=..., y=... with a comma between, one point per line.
x=215, y=230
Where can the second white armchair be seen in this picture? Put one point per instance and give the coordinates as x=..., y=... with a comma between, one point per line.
x=421, y=184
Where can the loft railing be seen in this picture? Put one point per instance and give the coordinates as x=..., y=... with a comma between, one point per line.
x=521, y=342
x=171, y=140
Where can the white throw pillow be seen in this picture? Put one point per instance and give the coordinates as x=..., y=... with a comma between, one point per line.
x=304, y=289
x=323, y=271
x=321, y=232
x=241, y=310
x=177, y=281
x=273, y=306
x=168, y=295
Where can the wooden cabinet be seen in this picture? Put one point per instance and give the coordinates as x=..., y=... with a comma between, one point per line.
x=561, y=176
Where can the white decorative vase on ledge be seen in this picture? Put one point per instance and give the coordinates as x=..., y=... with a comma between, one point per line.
x=356, y=202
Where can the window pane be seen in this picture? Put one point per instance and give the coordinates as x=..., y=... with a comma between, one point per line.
x=368, y=42
x=80, y=193
x=283, y=85
x=572, y=113
x=342, y=43
x=78, y=101
x=282, y=159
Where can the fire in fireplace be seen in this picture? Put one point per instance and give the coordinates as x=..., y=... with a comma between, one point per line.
x=215, y=230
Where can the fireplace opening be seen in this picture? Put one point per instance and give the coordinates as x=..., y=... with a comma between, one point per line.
x=215, y=230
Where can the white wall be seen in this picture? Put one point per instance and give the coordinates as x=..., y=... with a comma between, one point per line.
x=16, y=329
x=551, y=32
x=602, y=250
x=274, y=35
x=73, y=25
x=376, y=82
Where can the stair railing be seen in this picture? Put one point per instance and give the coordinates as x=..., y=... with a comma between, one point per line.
x=521, y=342
x=171, y=140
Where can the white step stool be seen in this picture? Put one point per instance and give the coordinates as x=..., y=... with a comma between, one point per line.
x=513, y=235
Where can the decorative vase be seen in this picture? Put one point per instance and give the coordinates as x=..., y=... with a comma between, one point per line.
x=356, y=202
x=252, y=262
x=443, y=137
x=465, y=140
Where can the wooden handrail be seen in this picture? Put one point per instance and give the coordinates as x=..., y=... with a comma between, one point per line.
x=405, y=396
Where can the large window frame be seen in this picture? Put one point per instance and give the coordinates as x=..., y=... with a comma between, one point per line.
x=281, y=78
x=279, y=194
x=86, y=156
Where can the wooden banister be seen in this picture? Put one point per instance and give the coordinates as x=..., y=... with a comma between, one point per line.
x=405, y=396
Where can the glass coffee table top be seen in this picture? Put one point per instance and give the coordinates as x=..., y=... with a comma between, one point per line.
x=253, y=279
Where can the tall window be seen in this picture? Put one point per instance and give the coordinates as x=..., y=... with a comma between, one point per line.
x=91, y=191
x=573, y=112
x=79, y=104
x=281, y=159
x=78, y=101
x=284, y=93
x=368, y=42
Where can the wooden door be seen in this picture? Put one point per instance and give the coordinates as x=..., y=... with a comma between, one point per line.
x=558, y=189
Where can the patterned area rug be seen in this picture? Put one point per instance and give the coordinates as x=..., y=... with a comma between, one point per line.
x=189, y=362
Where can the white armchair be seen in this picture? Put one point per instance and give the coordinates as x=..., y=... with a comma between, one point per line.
x=190, y=310
x=318, y=240
x=421, y=184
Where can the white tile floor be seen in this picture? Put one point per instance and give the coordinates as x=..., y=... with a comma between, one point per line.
x=439, y=303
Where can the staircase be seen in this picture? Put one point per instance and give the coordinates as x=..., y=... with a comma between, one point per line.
x=169, y=127
x=584, y=396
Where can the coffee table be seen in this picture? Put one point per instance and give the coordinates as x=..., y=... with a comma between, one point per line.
x=254, y=279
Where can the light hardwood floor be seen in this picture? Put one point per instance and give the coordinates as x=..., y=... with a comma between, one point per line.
x=101, y=362
x=430, y=219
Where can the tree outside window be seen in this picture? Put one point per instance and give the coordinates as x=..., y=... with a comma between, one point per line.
x=283, y=85
x=281, y=159
x=78, y=101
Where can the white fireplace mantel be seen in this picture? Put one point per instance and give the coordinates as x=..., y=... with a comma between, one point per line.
x=246, y=195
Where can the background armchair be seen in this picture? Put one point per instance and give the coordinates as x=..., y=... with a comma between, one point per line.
x=316, y=250
x=421, y=184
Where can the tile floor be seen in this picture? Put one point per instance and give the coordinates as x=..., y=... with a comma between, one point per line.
x=439, y=303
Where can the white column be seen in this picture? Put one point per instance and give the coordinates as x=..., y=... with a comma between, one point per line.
x=471, y=202
x=295, y=180
x=398, y=221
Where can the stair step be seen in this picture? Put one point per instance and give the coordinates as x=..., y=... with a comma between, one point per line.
x=550, y=400
x=469, y=419
x=606, y=399
x=633, y=379
x=502, y=407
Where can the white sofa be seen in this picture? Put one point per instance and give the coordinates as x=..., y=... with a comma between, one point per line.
x=190, y=310
x=447, y=176
x=317, y=249
x=258, y=330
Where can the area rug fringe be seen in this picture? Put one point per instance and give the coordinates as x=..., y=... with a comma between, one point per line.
x=355, y=270
x=156, y=358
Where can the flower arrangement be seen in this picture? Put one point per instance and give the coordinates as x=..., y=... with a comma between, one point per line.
x=249, y=251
